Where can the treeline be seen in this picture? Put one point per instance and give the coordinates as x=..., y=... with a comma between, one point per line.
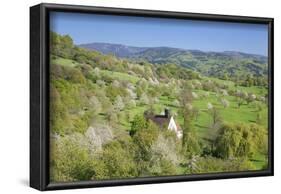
x=247, y=80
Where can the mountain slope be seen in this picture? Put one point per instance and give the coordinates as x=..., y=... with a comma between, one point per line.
x=216, y=64
x=117, y=49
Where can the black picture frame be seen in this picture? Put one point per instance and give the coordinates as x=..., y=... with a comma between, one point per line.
x=39, y=95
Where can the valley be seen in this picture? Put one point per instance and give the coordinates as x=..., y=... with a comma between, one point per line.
x=101, y=95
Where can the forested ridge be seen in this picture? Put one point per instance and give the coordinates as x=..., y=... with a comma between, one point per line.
x=224, y=65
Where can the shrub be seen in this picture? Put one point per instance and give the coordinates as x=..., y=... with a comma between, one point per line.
x=191, y=145
x=117, y=162
x=144, y=99
x=241, y=141
x=137, y=124
x=118, y=103
x=70, y=160
x=144, y=139
x=214, y=165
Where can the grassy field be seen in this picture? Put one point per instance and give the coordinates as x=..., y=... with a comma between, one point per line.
x=65, y=62
x=120, y=76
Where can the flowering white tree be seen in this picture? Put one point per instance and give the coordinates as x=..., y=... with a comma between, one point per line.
x=97, y=71
x=116, y=83
x=132, y=94
x=144, y=99
x=166, y=148
x=209, y=106
x=97, y=136
x=224, y=92
x=95, y=104
x=100, y=83
x=189, y=106
x=118, y=103
x=132, y=103
x=194, y=95
x=176, y=103
x=131, y=86
x=252, y=97
x=225, y=103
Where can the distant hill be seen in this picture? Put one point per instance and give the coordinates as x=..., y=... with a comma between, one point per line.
x=117, y=49
x=215, y=64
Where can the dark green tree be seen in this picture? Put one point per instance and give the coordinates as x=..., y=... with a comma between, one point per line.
x=138, y=123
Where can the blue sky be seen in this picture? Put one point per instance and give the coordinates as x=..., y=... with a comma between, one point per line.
x=151, y=32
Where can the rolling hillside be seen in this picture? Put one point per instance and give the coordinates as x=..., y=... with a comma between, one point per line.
x=105, y=110
x=208, y=63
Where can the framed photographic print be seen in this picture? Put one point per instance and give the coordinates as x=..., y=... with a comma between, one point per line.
x=125, y=96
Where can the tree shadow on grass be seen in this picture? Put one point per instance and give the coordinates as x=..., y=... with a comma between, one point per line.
x=201, y=126
x=251, y=121
x=254, y=111
x=255, y=160
x=209, y=140
x=170, y=105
